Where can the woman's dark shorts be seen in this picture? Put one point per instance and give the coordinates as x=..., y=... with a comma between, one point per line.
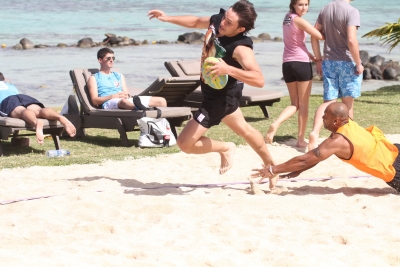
x=13, y=101
x=295, y=71
x=395, y=183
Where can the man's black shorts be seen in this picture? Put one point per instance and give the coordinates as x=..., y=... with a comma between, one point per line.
x=212, y=111
x=13, y=101
x=395, y=183
x=295, y=71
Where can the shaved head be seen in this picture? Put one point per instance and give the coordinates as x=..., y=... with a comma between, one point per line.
x=338, y=110
x=336, y=115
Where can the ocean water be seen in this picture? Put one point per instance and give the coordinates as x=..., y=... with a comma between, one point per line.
x=43, y=73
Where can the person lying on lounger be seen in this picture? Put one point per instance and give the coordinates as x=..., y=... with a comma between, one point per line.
x=29, y=109
x=108, y=88
x=366, y=149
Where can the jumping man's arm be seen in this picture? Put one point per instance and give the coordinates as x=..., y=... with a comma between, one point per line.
x=184, y=21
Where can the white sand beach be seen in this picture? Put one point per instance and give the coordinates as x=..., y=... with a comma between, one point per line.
x=145, y=212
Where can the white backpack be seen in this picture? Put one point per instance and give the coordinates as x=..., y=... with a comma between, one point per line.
x=155, y=133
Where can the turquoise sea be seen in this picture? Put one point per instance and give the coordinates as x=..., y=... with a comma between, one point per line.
x=43, y=73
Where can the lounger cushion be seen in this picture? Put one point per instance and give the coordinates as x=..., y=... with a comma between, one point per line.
x=169, y=112
x=18, y=123
x=252, y=95
x=190, y=67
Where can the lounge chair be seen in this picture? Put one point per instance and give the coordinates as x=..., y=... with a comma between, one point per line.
x=250, y=96
x=174, y=90
x=12, y=126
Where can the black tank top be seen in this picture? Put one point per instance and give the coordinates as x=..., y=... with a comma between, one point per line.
x=222, y=47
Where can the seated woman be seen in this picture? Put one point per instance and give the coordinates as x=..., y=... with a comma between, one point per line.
x=29, y=109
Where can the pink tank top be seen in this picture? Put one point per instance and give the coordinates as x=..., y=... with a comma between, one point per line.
x=294, y=40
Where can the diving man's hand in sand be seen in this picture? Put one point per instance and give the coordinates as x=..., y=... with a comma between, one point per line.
x=265, y=172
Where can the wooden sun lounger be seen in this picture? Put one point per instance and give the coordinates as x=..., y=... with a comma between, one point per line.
x=10, y=127
x=173, y=89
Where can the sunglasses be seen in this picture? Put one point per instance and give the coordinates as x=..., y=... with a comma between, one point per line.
x=109, y=58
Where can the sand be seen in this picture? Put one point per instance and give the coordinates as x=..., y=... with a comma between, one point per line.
x=146, y=212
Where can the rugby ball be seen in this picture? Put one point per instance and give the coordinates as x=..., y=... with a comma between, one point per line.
x=220, y=81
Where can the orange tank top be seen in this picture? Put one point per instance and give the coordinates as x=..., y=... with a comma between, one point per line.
x=372, y=152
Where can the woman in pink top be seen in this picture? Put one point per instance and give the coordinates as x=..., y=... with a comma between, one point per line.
x=296, y=68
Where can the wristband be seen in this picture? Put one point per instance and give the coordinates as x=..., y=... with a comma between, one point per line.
x=270, y=170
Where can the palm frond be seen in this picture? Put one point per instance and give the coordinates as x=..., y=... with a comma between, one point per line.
x=388, y=33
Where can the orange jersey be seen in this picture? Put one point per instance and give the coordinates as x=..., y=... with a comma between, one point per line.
x=372, y=152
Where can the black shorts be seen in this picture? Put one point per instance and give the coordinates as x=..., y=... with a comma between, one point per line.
x=213, y=111
x=215, y=107
x=395, y=183
x=13, y=101
x=295, y=71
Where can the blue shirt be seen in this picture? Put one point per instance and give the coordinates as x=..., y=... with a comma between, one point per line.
x=7, y=89
x=108, y=84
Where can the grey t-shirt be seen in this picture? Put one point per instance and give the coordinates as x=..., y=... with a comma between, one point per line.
x=334, y=18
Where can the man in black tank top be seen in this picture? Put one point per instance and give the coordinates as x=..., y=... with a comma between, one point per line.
x=225, y=39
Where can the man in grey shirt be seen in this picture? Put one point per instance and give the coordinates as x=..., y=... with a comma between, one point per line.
x=341, y=66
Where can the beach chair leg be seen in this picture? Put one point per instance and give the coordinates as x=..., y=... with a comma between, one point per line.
x=1, y=149
x=56, y=140
x=122, y=132
x=265, y=111
x=15, y=133
x=174, y=123
x=174, y=131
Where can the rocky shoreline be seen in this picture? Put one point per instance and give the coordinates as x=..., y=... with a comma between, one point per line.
x=376, y=67
x=113, y=40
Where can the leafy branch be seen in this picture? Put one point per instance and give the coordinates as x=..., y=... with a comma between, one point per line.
x=388, y=33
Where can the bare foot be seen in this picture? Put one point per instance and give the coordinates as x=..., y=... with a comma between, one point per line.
x=227, y=158
x=68, y=126
x=255, y=188
x=39, y=131
x=301, y=144
x=313, y=141
x=269, y=137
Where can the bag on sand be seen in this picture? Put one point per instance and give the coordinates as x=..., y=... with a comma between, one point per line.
x=155, y=133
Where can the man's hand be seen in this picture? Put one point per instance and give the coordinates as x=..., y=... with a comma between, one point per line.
x=359, y=69
x=217, y=68
x=119, y=95
x=158, y=14
x=318, y=65
x=312, y=57
x=263, y=173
